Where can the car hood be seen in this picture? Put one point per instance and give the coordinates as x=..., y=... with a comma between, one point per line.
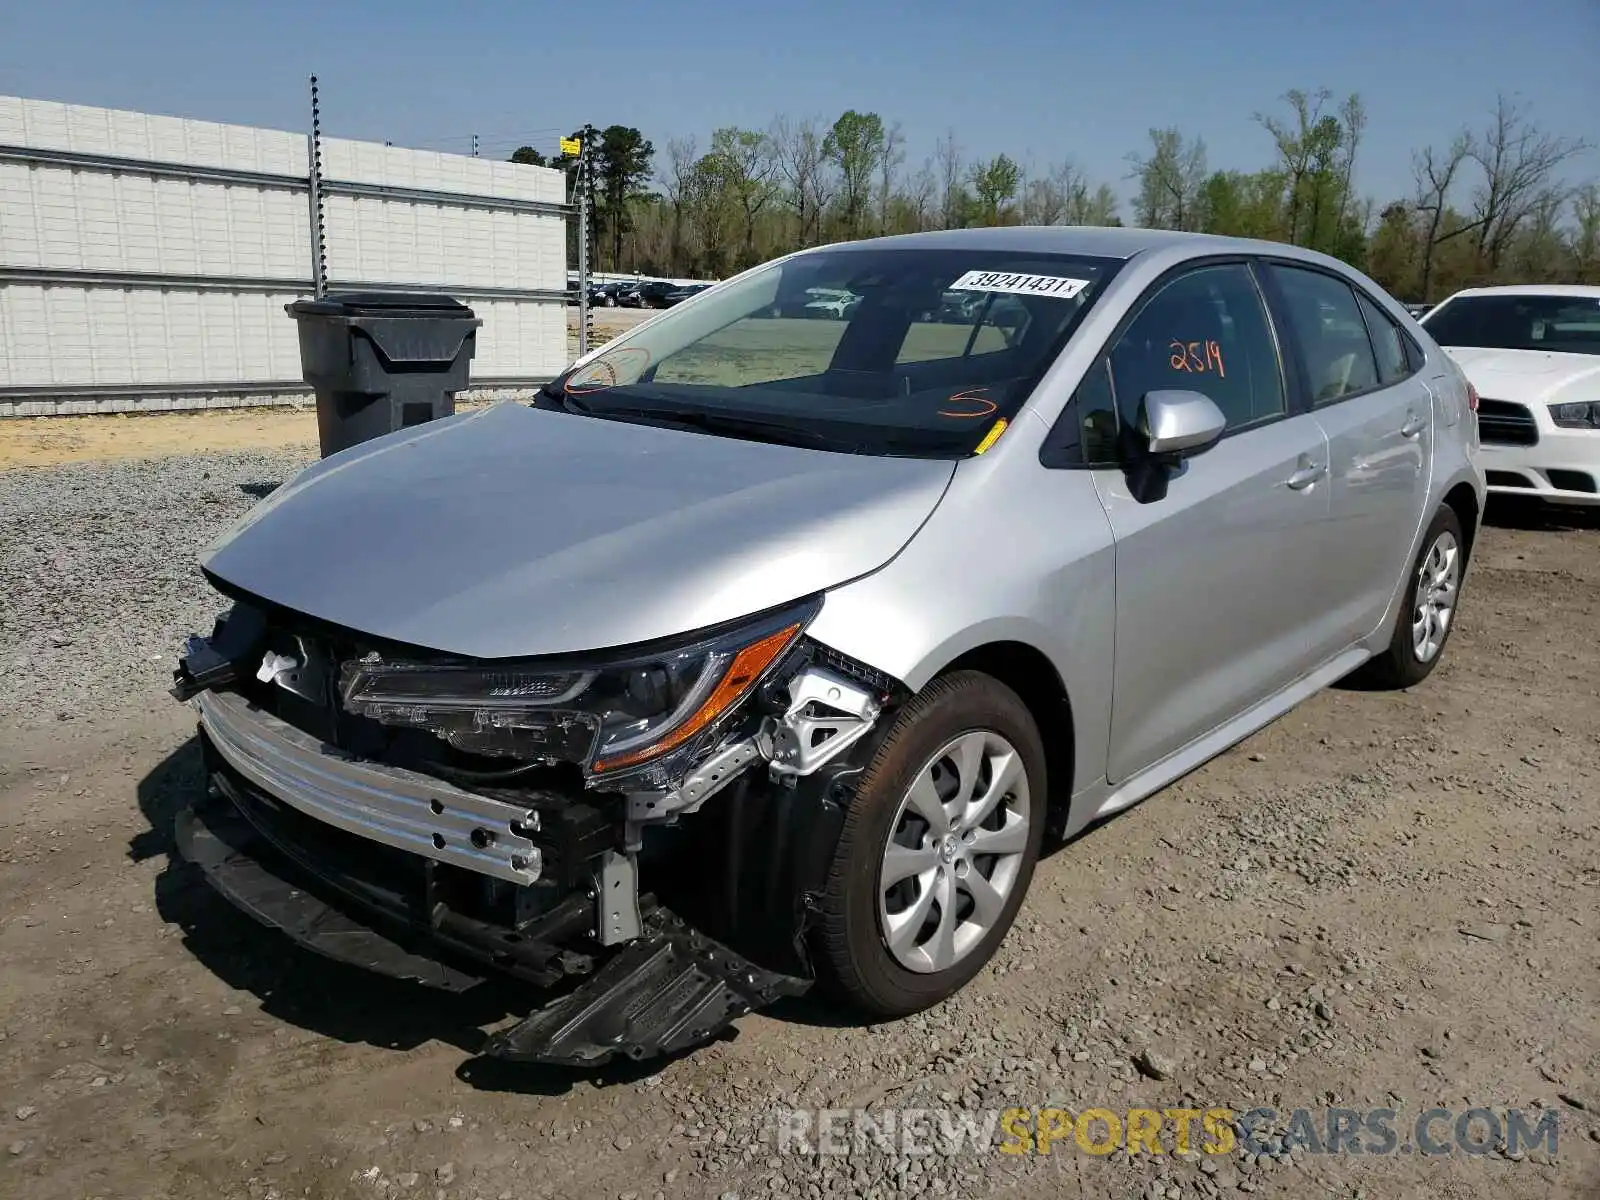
x=512, y=531
x=1529, y=376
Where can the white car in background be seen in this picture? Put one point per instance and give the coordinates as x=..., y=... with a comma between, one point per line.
x=1533, y=355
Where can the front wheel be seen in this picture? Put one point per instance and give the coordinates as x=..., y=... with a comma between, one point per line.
x=937, y=849
x=1428, y=612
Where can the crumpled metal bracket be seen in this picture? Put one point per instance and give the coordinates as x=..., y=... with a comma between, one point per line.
x=672, y=989
x=827, y=714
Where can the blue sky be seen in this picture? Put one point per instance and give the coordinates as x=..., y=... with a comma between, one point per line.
x=1037, y=80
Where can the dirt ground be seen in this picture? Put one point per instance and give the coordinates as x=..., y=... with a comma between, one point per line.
x=1382, y=900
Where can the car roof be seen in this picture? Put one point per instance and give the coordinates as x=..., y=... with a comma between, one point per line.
x=1100, y=241
x=1580, y=290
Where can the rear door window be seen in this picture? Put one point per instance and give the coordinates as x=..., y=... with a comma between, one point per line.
x=1388, y=343
x=1325, y=322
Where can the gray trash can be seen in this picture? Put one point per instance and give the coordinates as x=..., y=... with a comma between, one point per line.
x=381, y=361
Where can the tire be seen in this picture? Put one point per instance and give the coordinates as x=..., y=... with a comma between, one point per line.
x=1403, y=664
x=980, y=719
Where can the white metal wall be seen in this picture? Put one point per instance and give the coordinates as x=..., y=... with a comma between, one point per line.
x=126, y=283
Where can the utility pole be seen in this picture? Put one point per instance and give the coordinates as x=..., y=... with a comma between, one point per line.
x=474, y=145
x=583, y=196
x=319, y=249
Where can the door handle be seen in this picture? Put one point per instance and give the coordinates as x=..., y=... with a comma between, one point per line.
x=1308, y=474
x=1413, y=426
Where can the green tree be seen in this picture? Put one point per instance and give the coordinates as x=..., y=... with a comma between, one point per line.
x=1393, y=259
x=855, y=146
x=529, y=156
x=995, y=185
x=710, y=211
x=1243, y=204
x=622, y=166
x=747, y=167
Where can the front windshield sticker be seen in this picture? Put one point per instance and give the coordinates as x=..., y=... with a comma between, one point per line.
x=621, y=366
x=1058, y=286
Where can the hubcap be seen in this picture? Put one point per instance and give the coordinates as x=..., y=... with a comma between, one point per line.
x=954, y=852
x=1437, y=581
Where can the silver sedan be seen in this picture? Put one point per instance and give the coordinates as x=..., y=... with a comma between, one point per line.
x=797, y=635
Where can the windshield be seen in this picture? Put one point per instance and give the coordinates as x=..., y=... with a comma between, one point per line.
x=1565, y=324
x=872, y=351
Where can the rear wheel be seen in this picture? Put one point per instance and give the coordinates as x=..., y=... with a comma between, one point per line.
x=1428, y=613
x=937, y=849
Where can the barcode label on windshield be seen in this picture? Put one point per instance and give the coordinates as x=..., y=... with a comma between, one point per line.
x=1027, y=285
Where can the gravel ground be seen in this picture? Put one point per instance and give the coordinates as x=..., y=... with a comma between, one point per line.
x=98, y=584
x=1379, y=901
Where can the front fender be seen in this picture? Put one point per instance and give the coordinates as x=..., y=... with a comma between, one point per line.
x=998, y=561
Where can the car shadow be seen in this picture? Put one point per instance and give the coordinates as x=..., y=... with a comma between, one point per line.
x=333, y=999
x=261, y=489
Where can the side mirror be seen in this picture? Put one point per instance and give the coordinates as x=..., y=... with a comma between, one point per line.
x=1177, y=424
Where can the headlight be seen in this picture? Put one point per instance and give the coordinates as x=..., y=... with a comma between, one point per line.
x=1576, y=416
x=632, y=715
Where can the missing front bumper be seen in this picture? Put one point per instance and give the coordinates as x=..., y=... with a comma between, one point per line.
x=664, y=992
x=395, y=807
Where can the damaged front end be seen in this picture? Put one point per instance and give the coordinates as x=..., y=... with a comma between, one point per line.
x=647, y=829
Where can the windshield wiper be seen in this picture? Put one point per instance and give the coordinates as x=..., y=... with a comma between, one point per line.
x=708, y=421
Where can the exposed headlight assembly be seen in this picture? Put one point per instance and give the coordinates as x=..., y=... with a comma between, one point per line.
x=633, y=717
x=1576, y=416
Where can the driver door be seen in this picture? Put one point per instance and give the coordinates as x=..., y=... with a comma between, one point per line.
x=1213, y=612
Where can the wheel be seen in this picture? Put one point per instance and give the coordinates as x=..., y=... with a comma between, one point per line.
x=1428, y=613
x=937, y=848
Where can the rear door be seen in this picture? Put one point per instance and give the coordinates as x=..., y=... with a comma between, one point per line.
x=1354, y=364
x=1211, y=603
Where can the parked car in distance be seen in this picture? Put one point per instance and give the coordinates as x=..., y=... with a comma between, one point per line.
x=1418, y=310
x=605, y=295
x=680, y=294
x=1533, y=353
x=833, y=303
x=648, y=293
x=761, y=652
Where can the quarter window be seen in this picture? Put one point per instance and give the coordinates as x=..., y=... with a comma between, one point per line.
x=1387, y=343
x=1206, y=332
x=1327, y=328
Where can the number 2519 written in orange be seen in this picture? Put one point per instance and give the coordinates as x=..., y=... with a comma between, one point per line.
x=1199, y=357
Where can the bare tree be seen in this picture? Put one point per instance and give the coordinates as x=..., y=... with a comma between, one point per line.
x=1519, y=167
x=682, y=154
x=1048, y=199
x=1586, y=234
x=1093, y=208
x=894, y=155
x=1353, y=115
x=919, y=195
x=952, y=190
x=1436, y=172
x=1171, y=180
x=798, y=147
